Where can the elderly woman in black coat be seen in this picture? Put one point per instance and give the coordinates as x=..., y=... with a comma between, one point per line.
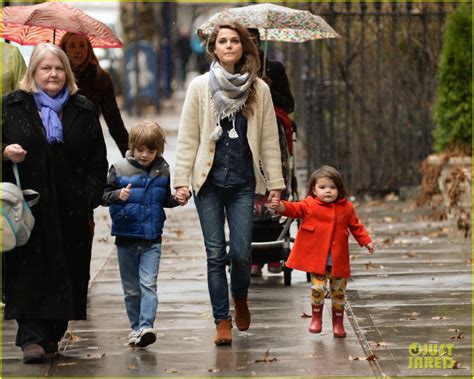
x=54, y=136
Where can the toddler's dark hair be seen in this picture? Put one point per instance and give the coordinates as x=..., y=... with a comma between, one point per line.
x=329, y=173
x=148, y=134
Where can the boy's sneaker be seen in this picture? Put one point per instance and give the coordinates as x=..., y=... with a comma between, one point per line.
x=146, y=337
x=133, y=336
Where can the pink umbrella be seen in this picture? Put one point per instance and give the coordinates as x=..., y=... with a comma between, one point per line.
x=48, y=22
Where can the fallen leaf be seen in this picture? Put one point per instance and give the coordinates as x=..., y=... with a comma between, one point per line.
x=371, y=265
x=439, y=318
x=304, y=315
x=214, y=370
x=178, y=232
x=266, y=358
x=468, y=261
x=382, y=344
x=73, y=338
x=411, y=316
x=409, y=255
x=353, y=256
x=241, y=368
x=171, y=370
x=132, y=367
x=387, y=219
x=458, y=336
x=457, y=365
x=455, y=330
x=371, y=357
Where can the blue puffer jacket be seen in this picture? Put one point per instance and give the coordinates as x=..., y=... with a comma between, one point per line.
x=142, y=215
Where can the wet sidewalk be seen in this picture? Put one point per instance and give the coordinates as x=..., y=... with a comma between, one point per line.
x=415, y=291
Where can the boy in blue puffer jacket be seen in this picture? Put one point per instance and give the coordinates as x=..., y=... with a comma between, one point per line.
x=138, y=188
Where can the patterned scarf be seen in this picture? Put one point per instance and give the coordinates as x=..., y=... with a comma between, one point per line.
x=229, y=92
x=50, y=108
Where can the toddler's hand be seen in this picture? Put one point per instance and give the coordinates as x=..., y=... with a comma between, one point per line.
x=371, y=248
x=125, y=192
x=273, y=203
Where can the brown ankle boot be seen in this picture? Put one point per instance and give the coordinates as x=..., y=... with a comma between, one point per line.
x=224, y=333
x=241, y=314
x=317, y=320
x=338, y=323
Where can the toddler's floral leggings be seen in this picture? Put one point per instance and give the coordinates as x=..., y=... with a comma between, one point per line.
x=337, y=287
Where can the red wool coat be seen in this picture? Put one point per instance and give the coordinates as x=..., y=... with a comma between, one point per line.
x=325, y=227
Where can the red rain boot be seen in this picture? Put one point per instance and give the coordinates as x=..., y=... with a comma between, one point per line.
x=317, y=320
x=338, y=323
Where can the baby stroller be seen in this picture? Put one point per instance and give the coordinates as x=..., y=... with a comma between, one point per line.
x=271, y=232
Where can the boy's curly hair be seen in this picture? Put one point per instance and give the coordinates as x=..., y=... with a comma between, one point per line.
x=148, y=134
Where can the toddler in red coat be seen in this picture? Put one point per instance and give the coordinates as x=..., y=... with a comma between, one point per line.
x=322, y=244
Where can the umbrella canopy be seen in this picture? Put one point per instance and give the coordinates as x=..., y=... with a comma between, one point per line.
x=48, y=22
x=274, y=22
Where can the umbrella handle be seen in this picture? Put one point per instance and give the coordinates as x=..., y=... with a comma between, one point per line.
x=265, y=54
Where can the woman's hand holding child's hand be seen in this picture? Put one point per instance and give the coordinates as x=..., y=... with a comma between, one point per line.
x=371, y=248
x=276, y=205
x=125, y=192
x=182, y=195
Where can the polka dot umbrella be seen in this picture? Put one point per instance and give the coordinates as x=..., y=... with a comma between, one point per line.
x=274, y=22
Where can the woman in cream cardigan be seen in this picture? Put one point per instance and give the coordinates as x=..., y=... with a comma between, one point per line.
x=227, y=135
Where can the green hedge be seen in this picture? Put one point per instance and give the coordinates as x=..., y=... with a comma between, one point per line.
x=453, y=106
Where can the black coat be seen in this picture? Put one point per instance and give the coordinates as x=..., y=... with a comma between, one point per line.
x=279, y=86
x=97, y=87
x=48, y=277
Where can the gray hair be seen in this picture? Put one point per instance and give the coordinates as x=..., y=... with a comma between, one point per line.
x=28, y=83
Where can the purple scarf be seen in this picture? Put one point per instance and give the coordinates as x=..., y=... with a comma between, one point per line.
x=50, y=108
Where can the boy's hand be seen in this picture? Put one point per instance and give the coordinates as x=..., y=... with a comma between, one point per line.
x=125, y=192
x=371, y=248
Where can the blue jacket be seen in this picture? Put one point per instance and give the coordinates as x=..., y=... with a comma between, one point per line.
x=141, y=216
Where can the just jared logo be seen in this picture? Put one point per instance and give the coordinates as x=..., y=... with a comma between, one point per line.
x=431, y=355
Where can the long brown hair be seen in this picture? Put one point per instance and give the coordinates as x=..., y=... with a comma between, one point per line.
x=249, y=63
x=91, y=58
x=331, y=173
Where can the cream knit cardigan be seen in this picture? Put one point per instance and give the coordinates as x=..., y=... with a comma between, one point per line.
x=195, y=150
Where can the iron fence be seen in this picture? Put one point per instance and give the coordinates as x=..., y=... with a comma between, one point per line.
x=364, y=102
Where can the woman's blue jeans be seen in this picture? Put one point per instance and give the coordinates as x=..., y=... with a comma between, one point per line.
x=214, y=204
x=139, y=264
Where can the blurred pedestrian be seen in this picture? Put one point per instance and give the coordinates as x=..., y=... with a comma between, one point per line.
x=276, y=78
x=322, y=243
x=95, y=84
x=13, y=67
x=138, y=188
x=54, y=136
x=227, y=132
x=199, y=52
x=183, y=53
